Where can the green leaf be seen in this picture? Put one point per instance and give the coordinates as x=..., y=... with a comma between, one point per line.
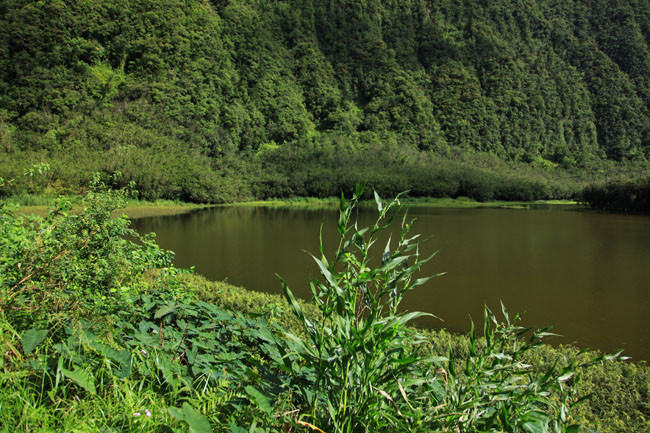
x=260, y=399
x=82, y=378
x=472, y=339
x=392, y=264
x=32, y=338
x=234, y=428
x=177, y=413
x=402, y=319
x=386, y=254
x=535, y=427
x=380, y=206
x=328, y=276
x=197, y=422
x=165, y=310
x=295, y=307
x=438, y=360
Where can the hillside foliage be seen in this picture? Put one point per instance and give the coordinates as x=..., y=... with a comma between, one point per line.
x=191, y=97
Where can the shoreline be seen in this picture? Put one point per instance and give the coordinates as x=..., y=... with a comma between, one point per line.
x=251, y=301
x=145, y=209
x=134, y=210
x=452, y=203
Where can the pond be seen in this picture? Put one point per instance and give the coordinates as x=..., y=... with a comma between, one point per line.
x=585, y=273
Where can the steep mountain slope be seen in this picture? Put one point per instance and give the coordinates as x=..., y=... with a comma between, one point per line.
x=545, y=82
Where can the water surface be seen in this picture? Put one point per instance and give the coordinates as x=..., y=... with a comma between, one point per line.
x=585, y=273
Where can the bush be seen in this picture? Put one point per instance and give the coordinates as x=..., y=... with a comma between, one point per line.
x=631, y=196
x=358, y=366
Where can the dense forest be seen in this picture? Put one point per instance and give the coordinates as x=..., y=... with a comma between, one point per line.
x=230, y=99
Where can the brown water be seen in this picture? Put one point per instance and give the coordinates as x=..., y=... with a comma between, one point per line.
x=585, y=273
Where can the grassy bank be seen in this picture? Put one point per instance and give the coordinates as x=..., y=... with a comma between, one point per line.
x=133, y=209
x=294, y=172
x=459, y=202
x=620, y=392
x=143, y=209
x=100, y=333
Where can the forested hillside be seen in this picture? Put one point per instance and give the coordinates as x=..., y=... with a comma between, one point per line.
x=227, y=99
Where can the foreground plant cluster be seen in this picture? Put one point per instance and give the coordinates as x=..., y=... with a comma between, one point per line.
x=100, y=332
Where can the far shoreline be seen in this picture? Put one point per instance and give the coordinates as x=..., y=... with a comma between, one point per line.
x=444, y=202
x=146, y=209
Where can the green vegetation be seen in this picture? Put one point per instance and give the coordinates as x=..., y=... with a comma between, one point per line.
x=230, y=100
x=100, y=333
x=133, y=209
x=358, y=349
x=619, y=196
x=459, y=202
x=619, y=391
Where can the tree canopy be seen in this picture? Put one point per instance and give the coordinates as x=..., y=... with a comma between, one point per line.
x=538, y=81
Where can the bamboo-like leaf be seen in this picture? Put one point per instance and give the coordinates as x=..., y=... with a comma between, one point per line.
x=492, y=317
x=380, y=206
x=393, y=264
x=472, y=339
x=403, y=318
x=616, y=355
x=328, y=276
x=386, y=254
x=288, y=294
x=424, y=280
x=505, y=313
x=487, y=333
x=451, y=364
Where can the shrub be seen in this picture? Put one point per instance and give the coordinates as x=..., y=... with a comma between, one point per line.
x=356, y=354
x=360, y=368
x=619, y=196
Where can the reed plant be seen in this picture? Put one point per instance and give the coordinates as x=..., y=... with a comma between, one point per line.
x=355, y=359
x=359, y=367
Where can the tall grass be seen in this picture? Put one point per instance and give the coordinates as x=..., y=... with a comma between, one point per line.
x=357, y=352
x=359, y=365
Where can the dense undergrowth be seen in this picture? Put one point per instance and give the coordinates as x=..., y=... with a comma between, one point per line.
x=303, y=172
x=630, y=196
x=100, y=333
